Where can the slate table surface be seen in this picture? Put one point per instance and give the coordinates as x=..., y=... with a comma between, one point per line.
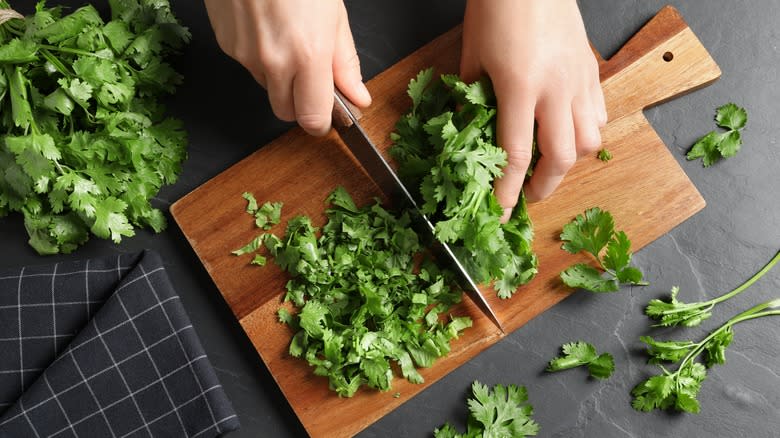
x=227, y=116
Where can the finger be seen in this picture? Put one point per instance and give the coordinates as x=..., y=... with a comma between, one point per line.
x=515, y=128
x=313, y=94
x=346, y=66
x=556, y=144
x=597, y=101
x=586, y=127
x=280, y=93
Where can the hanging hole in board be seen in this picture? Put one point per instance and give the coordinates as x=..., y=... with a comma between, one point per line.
x=668, y=56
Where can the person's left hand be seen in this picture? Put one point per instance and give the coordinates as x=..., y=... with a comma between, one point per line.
x=539, y=59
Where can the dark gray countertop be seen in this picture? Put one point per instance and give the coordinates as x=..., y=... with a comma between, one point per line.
x=227, y=117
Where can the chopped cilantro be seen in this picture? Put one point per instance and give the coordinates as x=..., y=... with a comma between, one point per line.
x=501, y=411
x=365, y=300
x=592, y=232
x=716, y=145
x=446, y=147
x=604, y=155
x=581, y=353
x=85, y=144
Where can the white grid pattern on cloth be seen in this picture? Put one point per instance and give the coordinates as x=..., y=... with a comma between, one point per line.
x=182, y=387
x=21, y=305
x=178, y=340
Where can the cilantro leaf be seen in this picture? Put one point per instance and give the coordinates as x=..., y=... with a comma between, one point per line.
x=588, y=232
x=714, y=145
x=500, y=411
x=268, y=215
x=583, y=354
x=731, y=116
x=591, y=232
x=583, y=276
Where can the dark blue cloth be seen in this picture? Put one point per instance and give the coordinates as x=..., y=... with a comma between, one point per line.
x=103, y=348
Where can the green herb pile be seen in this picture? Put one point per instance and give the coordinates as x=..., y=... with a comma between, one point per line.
x=446, y=147
x=591, y=232
x=581, y=353
x=85, y=144
x=501, y=411
x=716, y=145
x=364, y=302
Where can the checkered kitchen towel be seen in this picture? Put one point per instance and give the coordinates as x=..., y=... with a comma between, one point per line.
x=103, y=348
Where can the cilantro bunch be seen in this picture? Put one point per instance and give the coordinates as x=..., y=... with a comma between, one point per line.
x=446, y=147
x=363, y=301
x=678, y=390
x=84, y=143
x=592, y=232
x=501, y=411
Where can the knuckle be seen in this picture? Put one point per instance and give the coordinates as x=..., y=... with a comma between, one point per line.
x=314, y=123
x=517, y=159
x=589, y=141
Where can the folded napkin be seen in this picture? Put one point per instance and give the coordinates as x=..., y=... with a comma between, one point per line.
x=103, y=348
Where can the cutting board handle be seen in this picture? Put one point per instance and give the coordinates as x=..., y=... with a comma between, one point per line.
x=660, y=62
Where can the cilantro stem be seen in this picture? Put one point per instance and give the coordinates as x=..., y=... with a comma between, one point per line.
x=55, y=62
x=752, y=313
x=71, y=51
x=711, y=303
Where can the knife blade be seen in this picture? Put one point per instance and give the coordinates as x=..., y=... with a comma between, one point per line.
x=345, y=121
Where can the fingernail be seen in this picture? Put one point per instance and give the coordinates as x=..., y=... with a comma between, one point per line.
x=364, y=94
x=507, y=214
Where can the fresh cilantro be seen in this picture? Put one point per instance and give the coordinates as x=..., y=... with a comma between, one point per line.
x=85, y=146
x=604, y=155
x=284, y=316
x=501, y=411
x=678, y=390
x=580, y=353
x=252, y=246
x=716, y=145
x=366, y=301
x=673, y=312
x=446, y=147
x=591, y=232
x=268, y=215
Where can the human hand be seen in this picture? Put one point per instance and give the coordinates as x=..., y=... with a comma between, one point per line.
x=538, y=57
x=297, y=50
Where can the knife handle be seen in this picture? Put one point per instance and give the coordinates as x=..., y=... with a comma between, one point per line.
x=345, y=113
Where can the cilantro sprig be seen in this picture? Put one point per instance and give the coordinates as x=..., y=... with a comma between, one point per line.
x=591, y=232
x=446, y=147
x=673, y=312
x=716, y=145
x=678, y=390
x=581, y=353
x=85, y=144
x=363, y=304
x=500, y=411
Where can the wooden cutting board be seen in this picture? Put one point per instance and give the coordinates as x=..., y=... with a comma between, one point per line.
x=643, y=186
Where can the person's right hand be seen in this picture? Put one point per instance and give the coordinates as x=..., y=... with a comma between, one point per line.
x=297, y=50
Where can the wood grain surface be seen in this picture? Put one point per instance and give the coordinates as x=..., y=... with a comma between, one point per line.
x=643, y=186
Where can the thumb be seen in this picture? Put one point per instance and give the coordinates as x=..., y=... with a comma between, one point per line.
x=346, y=65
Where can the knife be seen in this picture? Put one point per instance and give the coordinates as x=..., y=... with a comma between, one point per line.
x=345, y=120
